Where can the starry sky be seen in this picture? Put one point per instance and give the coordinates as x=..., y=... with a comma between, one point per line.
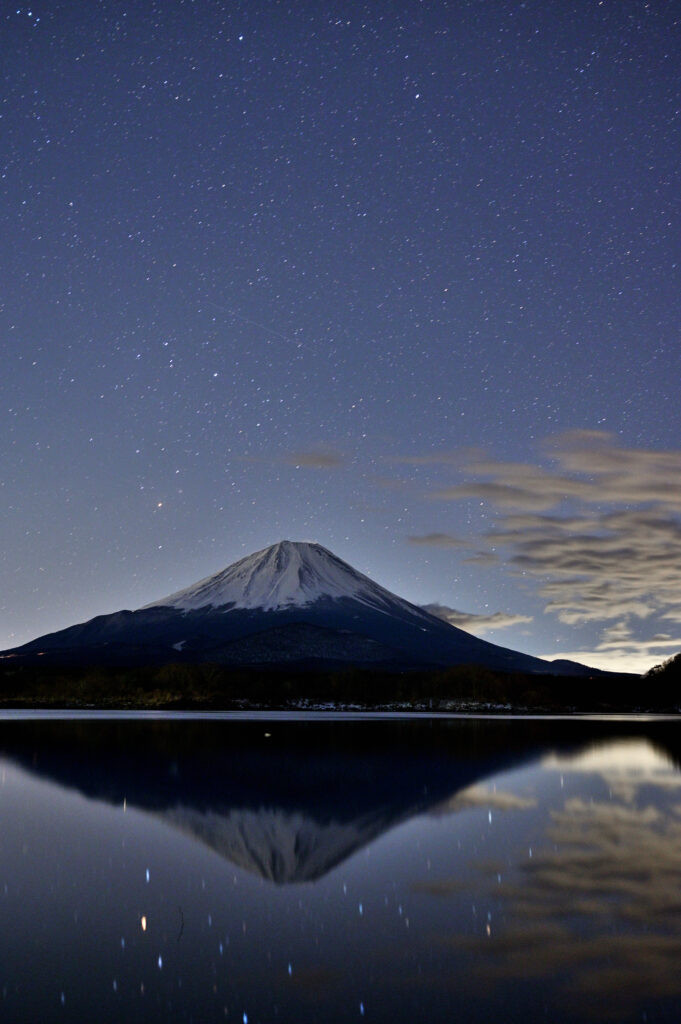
x=400, y=278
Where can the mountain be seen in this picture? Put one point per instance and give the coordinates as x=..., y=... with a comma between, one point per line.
x=289, y=603
x=286, y=575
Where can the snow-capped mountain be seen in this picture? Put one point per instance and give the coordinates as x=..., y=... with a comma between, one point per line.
x=286, y=575
x=289, y=603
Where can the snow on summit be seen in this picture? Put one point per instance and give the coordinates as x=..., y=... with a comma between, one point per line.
x=287, y=574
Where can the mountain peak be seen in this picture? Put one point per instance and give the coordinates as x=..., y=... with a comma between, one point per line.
x=284, y=575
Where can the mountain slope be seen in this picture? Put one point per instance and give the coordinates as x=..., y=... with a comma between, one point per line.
x=286, y=575
x=289, y=603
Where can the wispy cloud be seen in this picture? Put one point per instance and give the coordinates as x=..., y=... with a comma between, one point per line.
x=312, y=458
x=619, y=651
x=438, y=540
x=589, y=468
x=599, y=566
x=316, y=459
x=458, y=457
x=600, y=528
x=476, y=624
x=482, y=558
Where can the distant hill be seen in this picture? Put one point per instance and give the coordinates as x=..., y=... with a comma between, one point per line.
x=668, y=671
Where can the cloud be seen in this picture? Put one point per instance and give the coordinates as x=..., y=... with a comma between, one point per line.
x=590, y=468
x=458, y=457
x=316, y=459
x=438, y=540
x=482, y=558
x=617, y=634
x=674, y=615
x=629, y=473
x=637, y=660
x=476, y=623
x=619, y=651
x=599, y=529
x=517, y=486
x=620, y=563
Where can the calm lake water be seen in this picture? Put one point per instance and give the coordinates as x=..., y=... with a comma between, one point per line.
x=389, y=870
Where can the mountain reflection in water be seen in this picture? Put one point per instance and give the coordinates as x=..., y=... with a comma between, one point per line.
x=422, y=868
x=287, y=801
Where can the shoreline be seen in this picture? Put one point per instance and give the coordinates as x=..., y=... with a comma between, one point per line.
x=319, y=710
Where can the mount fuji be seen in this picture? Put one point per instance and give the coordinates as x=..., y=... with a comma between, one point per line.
x=291, y=603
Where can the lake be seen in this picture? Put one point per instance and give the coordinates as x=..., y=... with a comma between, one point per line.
x=334, y=869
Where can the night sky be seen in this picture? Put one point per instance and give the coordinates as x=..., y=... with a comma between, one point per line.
x=403, y=279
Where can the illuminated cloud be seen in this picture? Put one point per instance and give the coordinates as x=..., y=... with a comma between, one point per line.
x=618, y=651
x=476, y=623
x=590, y=468
x=600, y=530
x=598, y=568
x=674, y=615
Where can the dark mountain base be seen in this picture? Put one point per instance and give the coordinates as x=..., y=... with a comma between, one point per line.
x=218, y=687
x=330, y=632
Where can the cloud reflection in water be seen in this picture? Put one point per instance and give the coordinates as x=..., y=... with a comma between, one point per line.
x=597, y=908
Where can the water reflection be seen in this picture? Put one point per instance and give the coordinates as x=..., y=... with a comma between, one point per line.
x=597, y=907
x=387, y=871
x=608, y=884
x=625, y=765
x=286, y=803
